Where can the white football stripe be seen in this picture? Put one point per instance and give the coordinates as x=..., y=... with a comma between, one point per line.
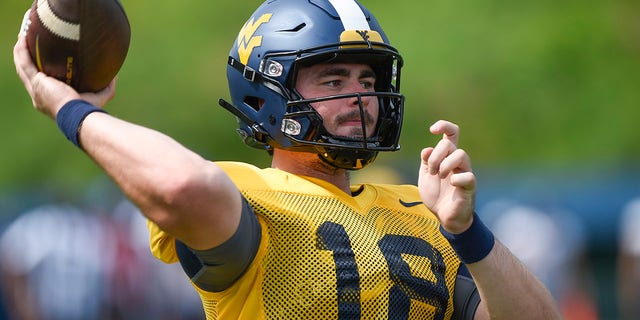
x=55, y=24
x=351, y=15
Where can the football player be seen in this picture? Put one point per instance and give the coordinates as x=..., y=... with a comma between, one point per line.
x=317, y=85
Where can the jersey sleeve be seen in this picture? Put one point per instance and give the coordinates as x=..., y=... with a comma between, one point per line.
x=466, y=297
x=216, y=269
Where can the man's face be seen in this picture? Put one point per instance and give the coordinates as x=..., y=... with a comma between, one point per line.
x=341, y=117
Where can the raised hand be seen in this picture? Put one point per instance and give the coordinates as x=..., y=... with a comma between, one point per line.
x=446, y=182
x=48, y=94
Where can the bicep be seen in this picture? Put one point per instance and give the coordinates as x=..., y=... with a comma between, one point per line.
x=203, y=210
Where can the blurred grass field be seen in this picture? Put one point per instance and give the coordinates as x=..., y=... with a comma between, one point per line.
x=530, y=83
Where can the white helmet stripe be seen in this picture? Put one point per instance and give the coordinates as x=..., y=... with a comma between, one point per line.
x=350, y=14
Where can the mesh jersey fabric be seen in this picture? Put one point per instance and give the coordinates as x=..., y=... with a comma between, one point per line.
x=325, y=254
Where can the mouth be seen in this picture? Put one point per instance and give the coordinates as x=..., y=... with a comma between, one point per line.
x=352, y=122
x=353, y=128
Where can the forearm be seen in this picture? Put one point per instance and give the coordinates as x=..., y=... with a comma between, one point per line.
x=509, y=290
x=140, y=160
x=184, y=194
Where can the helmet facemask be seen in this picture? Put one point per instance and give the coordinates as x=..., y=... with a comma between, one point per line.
x=354, y=151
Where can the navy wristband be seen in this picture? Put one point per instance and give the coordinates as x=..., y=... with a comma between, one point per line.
x=71, y=116
x=472, y=245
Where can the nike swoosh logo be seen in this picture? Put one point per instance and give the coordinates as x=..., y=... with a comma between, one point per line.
x=409, y=204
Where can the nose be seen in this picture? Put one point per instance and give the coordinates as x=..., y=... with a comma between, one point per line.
x=356, y=87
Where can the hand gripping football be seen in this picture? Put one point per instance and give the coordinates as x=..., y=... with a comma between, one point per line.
x=81, y=42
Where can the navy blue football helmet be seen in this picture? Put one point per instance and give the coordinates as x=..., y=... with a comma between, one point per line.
x=283, y=35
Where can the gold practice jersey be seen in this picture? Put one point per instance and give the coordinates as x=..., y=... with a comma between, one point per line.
x=324, y=254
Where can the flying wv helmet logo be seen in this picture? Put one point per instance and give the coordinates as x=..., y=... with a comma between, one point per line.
x=247, y=40
x=364, y=34
x=367, y=36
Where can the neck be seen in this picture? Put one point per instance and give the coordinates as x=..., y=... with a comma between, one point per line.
x=309, y=164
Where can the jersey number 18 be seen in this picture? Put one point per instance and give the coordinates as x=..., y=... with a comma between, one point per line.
x=406, y=287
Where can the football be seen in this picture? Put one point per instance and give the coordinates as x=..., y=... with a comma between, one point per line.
x=81, y=42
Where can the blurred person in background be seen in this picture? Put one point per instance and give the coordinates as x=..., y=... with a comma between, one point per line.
x=53, y=261
x=629, y=262
x=3, y=311
x=160, y=291
x=3, y=288
x=59, y=262
x=553, y=245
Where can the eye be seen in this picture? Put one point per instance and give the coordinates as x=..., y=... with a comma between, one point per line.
x=333, y=83
x=367, y=84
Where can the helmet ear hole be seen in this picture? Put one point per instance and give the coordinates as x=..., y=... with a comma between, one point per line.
x=254, y=102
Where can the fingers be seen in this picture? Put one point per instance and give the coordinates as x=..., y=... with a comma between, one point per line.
x=449, y=131
x=424, y=156
x=24, y=66
x=103, y=96
x=465, y=180
x=446, y=158
x=437, y=155
x=457, y=161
